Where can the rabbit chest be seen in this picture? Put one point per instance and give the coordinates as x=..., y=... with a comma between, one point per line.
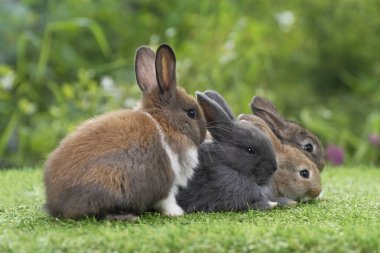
x=182, y=163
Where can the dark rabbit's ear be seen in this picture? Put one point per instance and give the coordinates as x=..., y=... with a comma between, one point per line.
x=145, y=69
x=220, y=100
x=165, y=68
x=219, y=123
x=266, y=111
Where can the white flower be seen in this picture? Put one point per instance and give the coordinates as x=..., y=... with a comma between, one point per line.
x=130, y=102
x=107, y=83
x=154, y=39
x=7, y=81
x=286, y=20
x=171, y=32
x=229, y=53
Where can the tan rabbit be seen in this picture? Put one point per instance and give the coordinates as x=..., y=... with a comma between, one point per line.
x=297, y=177
x=289, y=132
x=130, y=161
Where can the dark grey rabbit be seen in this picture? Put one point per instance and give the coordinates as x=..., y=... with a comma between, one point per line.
x=235, y=169
x=289, y=132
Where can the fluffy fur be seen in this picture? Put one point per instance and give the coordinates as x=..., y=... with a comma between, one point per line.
x=288, y=132
x=129, y=161
x=235, y=169
x=288, y=180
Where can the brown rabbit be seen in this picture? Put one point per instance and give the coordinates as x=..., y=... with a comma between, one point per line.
x=289, y=132
x=130, y=161
x=297, y=177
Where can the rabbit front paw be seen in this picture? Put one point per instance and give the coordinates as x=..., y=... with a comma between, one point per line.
x=169, y=206
x=282, y=201
x=272, y=204
x=263, y=205
x=174, y=210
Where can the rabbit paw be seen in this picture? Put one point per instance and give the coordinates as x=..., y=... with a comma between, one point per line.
x=282, y=201
x=174, y=210
x=169, y=206
x=264, y=205
x=272, y=204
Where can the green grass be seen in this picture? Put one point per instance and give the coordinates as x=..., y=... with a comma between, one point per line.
x=347, y=219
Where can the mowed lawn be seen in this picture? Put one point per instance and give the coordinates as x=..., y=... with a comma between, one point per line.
x=346, y=219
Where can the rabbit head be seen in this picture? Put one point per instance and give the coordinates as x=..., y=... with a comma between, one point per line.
x=156, y=77
x=238, y=144
x=297, y=177
x=289, y=132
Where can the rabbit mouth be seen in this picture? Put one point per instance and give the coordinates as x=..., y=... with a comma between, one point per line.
x=306, y=199
x=311, y=199
x=319, y=196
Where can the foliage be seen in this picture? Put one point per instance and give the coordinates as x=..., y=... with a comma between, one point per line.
x=345, y=220
x=64, y=61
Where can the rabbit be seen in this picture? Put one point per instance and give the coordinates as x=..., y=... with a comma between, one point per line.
x=289, y=132
x=297, y=177
x=235, y=168
x=126, y=162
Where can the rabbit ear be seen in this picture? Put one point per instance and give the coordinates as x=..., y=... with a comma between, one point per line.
x=219, y=123
x=165, y=68
x=266, y=110
x=260, y=123
x=145, y=69
x=221, y=102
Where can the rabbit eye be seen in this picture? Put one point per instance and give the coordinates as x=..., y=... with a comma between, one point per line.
x=308, y=147
x=304, y=173
x=192, y=113
x=250, y=150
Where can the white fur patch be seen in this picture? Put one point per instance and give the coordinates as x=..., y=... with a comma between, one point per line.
x=169, y=206
x=190, y=161
x=207, y=141
x=272, y=204
x=182, y=172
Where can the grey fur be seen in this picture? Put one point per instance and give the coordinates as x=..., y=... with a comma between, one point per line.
x=221, y=102
x=289, y=132
x=229, y=178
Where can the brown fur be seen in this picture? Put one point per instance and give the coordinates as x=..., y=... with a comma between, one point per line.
x=288, y=132
x=115, y=163
x=287, y=181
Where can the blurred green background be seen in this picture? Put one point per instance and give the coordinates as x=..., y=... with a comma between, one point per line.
x=63, y=61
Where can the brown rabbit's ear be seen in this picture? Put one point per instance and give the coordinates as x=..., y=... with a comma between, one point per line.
x=145, y=69
x=266, y=110
x=165, y=68
x=260, y=123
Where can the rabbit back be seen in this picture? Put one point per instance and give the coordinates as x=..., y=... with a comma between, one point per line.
x=110, y=162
